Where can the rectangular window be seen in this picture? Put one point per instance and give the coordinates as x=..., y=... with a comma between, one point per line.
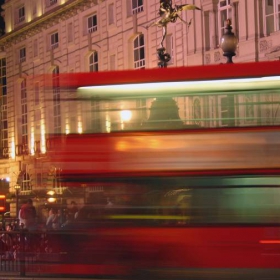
x=21, y=14
x=50, y=2
x=24, y=116
x=56, y=101
x=92, y=24
x=3, y=109
x=54, y=40
x=137, y=6
x=22, y=55
x=93, y=62
x=272, y=16
x=34, y=10
x=207, y=30
x=225, y=13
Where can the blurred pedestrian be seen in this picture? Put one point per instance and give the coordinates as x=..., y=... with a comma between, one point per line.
x=28, y=215
x=53, y=220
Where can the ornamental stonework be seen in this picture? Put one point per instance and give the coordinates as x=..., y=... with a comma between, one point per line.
x=217, y=56
x=207, y=58
x=265, y=45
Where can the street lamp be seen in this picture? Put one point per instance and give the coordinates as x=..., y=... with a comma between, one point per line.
x=229, y=42
x=51, y=196
x=17, y=188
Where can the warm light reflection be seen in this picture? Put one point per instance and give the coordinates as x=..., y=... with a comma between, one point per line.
x=51, y=193
x=32, y=144
x=67, y=128
x=13, y=149
x=51, y=199
x=108, y=123
x=8, y=26
x=126, y=115
x=80, y=127
x=43, y=139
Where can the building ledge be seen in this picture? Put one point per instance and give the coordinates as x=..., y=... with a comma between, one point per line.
x=50, y=16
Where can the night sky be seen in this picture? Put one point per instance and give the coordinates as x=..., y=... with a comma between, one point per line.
x=2, y=24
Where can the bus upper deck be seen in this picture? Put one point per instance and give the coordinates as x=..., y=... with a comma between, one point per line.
x=173, y=98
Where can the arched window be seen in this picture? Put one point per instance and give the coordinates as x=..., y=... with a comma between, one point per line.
x=93, y=62
x=139, y=52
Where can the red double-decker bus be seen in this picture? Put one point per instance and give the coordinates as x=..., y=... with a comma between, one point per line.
x=186, y=163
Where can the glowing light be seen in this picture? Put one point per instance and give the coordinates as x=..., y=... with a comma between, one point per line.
x=32, y=143
x=108, y=123
x=51, y=199
x=126, y=115
x=164, y=88
x=8, y=26
x=80, y=127
x=13, y=149
x=67, y=128
x=43, y=139
x=51, y=193
x=270, y=241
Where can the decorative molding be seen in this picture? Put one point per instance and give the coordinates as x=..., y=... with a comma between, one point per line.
x=50, y=18
x=207, y=58
x=217, y=56
x=265, y=45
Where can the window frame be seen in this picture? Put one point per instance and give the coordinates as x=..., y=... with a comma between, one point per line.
x=21, y=14
x=275, y=15
x=93, y=62
x=139, y=61
x=224, y=13
x=92, y=23
x=22, y=54
x=54, y=40
x=137, y=6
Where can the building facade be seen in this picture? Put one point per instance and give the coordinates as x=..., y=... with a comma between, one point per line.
x=64, y=36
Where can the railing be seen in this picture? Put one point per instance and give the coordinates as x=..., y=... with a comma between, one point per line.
x=22, y=252
x=92, y=29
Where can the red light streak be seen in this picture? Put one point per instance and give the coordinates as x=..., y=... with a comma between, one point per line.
x=270, y=241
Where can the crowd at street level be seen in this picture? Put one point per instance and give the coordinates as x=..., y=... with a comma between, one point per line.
x=26, y=234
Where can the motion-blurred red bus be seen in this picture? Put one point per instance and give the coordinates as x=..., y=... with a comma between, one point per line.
x=180, y=169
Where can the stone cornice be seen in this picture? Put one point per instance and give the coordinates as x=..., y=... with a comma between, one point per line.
x=51, y=16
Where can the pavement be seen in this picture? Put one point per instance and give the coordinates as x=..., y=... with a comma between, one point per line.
x=14, y=276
